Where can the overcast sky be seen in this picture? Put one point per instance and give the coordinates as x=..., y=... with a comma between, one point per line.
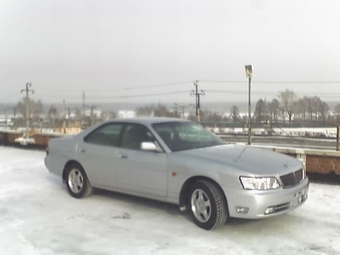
x=65, y=46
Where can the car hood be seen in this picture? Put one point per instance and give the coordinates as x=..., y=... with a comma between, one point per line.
x=249, y=159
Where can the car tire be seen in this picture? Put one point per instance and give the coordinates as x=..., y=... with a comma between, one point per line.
x=208, y=205
x=77, y=182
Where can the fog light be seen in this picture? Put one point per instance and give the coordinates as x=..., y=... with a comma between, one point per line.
x=242, y=209
x=270, y=210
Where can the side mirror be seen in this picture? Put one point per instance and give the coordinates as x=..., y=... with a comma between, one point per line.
x=150, y=146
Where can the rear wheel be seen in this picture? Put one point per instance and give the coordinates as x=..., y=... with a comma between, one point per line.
x=208, y=205
x=77, y=182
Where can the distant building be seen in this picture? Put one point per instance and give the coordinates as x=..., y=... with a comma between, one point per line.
x=96, y=113
x=126, y=114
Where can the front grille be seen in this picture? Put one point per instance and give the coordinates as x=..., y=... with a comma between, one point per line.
x=298, y=176
x=291, y=179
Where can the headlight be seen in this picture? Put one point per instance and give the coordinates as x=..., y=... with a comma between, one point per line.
x=304, y=172
x=259, y=183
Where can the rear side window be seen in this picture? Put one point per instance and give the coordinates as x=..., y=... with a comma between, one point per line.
x=107, y=135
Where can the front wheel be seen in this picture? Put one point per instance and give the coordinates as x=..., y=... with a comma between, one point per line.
x=208, y=205
x=77, y=182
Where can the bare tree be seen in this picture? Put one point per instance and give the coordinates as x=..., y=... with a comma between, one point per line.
x=159, y=110
x=260, y=110
x=288, y=98
x=112, y=115
x=92, y=115
x=316, y=104
x=146, y=110
x=323, y=109
x=211, y=116
x=274, y=109
x=301, y=107
x=235, y=114
x=35, y=107
x=162, y=111
x=77, y=113
x=52, y=114
x=337, y=110
x=309, y=106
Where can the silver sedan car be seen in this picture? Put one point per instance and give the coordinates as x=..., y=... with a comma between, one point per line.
x=178, y=161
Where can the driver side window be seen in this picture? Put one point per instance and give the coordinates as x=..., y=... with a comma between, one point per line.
x=134, y=135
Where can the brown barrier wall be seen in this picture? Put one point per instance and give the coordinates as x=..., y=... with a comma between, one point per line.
x=42, y=140
x=7, y=138
x=323, y=164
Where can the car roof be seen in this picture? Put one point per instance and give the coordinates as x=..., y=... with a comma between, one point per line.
x=148, y=120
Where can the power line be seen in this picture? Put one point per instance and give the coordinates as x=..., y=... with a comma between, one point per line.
x=141, y=95
x=280, y=82
x=233, y=92
x=9, y=97
x=56, y=96
x=115, y=97
x=226, y=91
x=121, y=89
x=155, y=86
x=215, y=81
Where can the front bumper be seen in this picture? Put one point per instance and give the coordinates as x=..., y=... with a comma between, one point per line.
x=257, y=202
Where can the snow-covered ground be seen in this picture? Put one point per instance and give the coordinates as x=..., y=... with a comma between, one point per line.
x=37, y=216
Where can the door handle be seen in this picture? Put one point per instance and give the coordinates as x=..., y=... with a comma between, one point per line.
x=82, y=150
x=122, y=155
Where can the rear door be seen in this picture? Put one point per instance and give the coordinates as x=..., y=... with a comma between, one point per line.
x=97, y=154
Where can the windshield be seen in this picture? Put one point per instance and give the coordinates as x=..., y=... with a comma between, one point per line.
x=180, y=136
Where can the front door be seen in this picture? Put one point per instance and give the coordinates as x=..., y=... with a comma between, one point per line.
x=140, y=171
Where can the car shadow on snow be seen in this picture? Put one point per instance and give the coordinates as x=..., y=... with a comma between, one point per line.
x=140, y=203
x=171, y=209
x=55, y=180
x=143, y=203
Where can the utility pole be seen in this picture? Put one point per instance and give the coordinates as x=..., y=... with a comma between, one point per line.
x=197, y=95
x=176, y=110
x=92, y=107
x=27, y=90
x=196, y=99
x=5, y=118
x=69, y=113
x=64, y=122
x=83, y=104
x=14, y=118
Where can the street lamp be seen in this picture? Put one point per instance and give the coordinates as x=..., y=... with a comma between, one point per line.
x=249, y=74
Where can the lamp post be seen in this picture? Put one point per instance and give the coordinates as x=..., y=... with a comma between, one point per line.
x=249, y=74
